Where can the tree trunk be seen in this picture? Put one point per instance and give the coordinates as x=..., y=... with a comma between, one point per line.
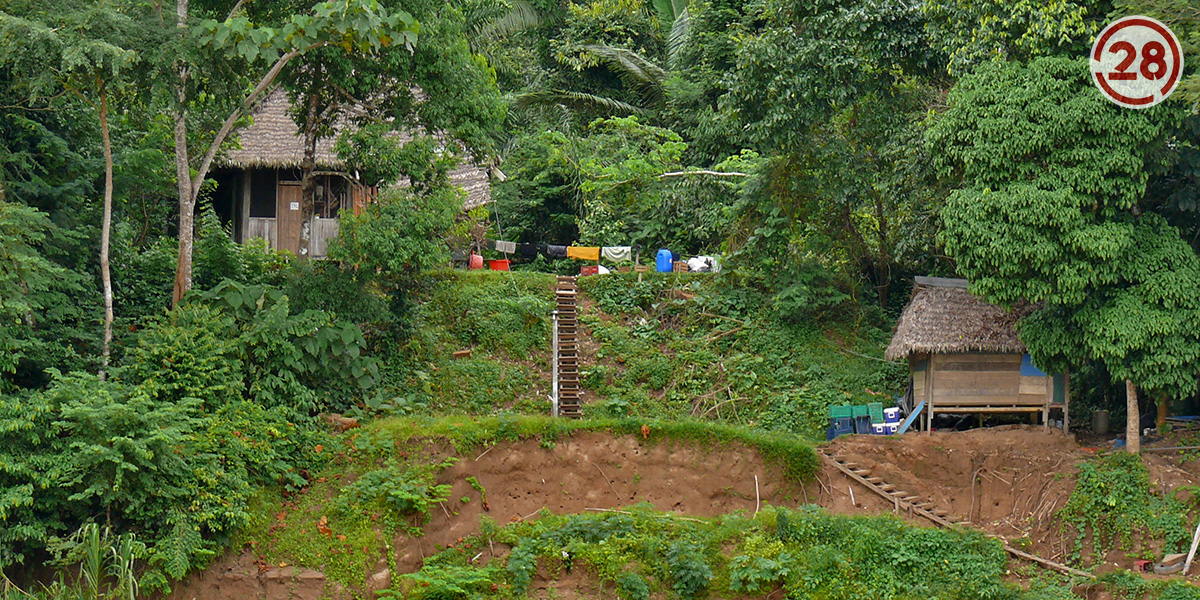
x=1133, y=428
x=183, y=173
x=105, y=229
x=308, y=182
x=1164, y=411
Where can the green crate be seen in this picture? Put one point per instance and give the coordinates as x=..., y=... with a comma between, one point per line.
x=860, y=410
x=841, y=412
x=875, y=411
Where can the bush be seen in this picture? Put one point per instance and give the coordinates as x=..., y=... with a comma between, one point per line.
x=308, y=362
x=153, y=462
x=1112, y=501
x=395, y=491
x=189, y=353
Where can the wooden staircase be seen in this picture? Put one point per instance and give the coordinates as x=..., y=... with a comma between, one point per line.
x=901, y=501
x=567, y=359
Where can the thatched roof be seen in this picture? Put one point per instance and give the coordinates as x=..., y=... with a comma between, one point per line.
x=943, y=317
x=273, y=141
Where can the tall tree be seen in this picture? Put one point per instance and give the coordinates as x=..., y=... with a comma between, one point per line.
x=78, y=48
x=251, y=55
x=1050, y=210
x=333, y=92
x=837, y=119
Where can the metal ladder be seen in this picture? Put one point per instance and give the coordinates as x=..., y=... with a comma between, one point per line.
x=566, y=394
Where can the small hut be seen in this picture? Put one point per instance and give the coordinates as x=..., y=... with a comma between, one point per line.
x=258, y=184
x=964, y=356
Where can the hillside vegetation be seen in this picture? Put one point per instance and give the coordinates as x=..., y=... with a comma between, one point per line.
x=200, y=395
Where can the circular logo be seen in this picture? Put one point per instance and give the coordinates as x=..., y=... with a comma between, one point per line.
x=1136, y=62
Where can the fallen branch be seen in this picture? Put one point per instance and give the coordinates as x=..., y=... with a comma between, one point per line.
x=703, y=172
x=610, y=484
x=1048, y=563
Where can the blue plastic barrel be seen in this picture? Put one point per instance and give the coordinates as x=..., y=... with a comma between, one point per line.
x=664, y=261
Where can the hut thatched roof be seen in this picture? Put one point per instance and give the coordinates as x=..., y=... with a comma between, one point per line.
x=273, y=141
x=943, y=317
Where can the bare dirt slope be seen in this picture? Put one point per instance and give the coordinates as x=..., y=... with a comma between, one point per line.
x=1008, y=481
x=585, y=471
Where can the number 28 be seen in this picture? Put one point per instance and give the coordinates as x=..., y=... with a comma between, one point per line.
x=1153, y=54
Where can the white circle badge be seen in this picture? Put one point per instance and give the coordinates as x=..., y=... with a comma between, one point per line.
x=1136, y=62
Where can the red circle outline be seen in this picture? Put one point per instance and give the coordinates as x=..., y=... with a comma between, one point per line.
x=1176, y=58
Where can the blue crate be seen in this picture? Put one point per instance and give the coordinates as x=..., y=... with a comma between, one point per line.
x=862, y=425
x=839, y=427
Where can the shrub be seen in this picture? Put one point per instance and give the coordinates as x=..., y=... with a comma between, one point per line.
x=308, y=361
x=149, y=461
x=396, y=491
x=1112, y=500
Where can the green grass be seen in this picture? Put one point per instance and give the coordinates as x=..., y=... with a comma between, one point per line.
x=680, y=346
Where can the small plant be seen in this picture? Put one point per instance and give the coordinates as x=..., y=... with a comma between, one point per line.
x=396, y=490
x=689, y=570
x=633, y=587
x=479, y=488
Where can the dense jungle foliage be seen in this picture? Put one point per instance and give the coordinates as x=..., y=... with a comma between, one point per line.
x=159, y=383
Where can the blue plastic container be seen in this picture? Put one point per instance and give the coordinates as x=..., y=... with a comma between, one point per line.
x=862, y=425
x=839, y=427
x=663, y=261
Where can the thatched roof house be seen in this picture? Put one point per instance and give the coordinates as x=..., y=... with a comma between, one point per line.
x=943, y=317
x=258, y=183
x=965, y=356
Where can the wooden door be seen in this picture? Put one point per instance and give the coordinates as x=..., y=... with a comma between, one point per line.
x=287, y=216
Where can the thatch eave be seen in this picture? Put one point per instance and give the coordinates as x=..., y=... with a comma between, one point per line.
x=943, y=317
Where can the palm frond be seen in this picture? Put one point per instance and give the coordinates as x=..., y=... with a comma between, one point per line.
x=636, y=72
x=665, y=9
x=573, y=100
x=678, y=36
x=521, y=16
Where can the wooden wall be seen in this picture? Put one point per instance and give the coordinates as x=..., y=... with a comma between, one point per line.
x=982, y=383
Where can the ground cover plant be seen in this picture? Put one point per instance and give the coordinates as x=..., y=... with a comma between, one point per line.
x=640, y=553
x=696, y=346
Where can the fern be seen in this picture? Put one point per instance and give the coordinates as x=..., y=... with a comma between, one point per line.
x=175, y=552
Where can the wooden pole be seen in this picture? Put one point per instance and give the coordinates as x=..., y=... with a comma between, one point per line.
x=554, y=366
x=1192, y=553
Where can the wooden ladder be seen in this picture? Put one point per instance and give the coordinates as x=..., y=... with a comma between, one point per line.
x=567, y=357
x=901, y=501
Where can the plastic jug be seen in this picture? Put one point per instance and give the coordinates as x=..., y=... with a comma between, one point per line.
x=663, y=261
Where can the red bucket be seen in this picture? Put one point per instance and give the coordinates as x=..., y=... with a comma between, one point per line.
x=498, y=265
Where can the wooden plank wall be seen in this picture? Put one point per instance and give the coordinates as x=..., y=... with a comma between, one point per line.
x=261, y=227
x=979, y=383
x=323, y=230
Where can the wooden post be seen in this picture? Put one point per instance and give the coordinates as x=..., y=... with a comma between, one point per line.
x=244, y=218
x=1192, y=553
x=929, y=392
x=554, y=363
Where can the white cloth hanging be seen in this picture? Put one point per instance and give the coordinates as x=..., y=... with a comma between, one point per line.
x=616, y=253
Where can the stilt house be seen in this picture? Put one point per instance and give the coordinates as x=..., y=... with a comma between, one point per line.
x=258, y=184
x=964, y=356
